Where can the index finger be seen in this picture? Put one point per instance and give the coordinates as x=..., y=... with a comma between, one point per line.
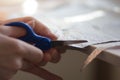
x=38, y=27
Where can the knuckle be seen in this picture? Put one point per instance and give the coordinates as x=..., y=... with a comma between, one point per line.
x=16, y=47
x=16, y=63
x=29, y=18
x=56, y=58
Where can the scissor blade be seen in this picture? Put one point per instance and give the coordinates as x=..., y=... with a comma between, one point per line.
x=74, y=41
x=66, y=42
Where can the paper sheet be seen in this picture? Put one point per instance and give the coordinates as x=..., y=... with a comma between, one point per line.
x=103, y=27
x=100, y=29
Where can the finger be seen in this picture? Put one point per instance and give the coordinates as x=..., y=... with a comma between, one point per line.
x=36, y=70
x=25, y=50
x=55, y=56
x=12, y=31
x=32, y=53
x=47, y=57
x=20, y=19
x=15, y=31
x=38, y=27
x=31, y=23
x=43, y=30
x=51, y=56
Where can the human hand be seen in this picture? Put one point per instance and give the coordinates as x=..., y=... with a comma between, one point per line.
x=13, y=54
x=51, y=55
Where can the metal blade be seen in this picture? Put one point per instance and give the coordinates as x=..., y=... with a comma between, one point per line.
x=74, y=41
x=66, y=42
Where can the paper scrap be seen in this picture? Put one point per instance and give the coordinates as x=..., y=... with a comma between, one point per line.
x=91, y=57
x=100, y=47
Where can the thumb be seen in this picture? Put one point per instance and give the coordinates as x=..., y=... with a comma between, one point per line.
x=12, y=31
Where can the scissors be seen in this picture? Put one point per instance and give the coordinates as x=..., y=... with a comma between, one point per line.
x=41, y=42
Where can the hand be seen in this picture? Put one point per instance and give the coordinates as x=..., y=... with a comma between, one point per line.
x=25, y=63
x=12, y=54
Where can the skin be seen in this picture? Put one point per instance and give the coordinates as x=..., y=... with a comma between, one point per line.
x=18, y=55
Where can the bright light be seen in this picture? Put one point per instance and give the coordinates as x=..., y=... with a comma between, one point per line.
x=85, y=17
x=30, y=7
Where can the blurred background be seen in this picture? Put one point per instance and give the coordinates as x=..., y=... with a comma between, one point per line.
x=60, y=15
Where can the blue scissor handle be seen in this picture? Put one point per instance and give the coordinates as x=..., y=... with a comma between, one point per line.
x=41, y=42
